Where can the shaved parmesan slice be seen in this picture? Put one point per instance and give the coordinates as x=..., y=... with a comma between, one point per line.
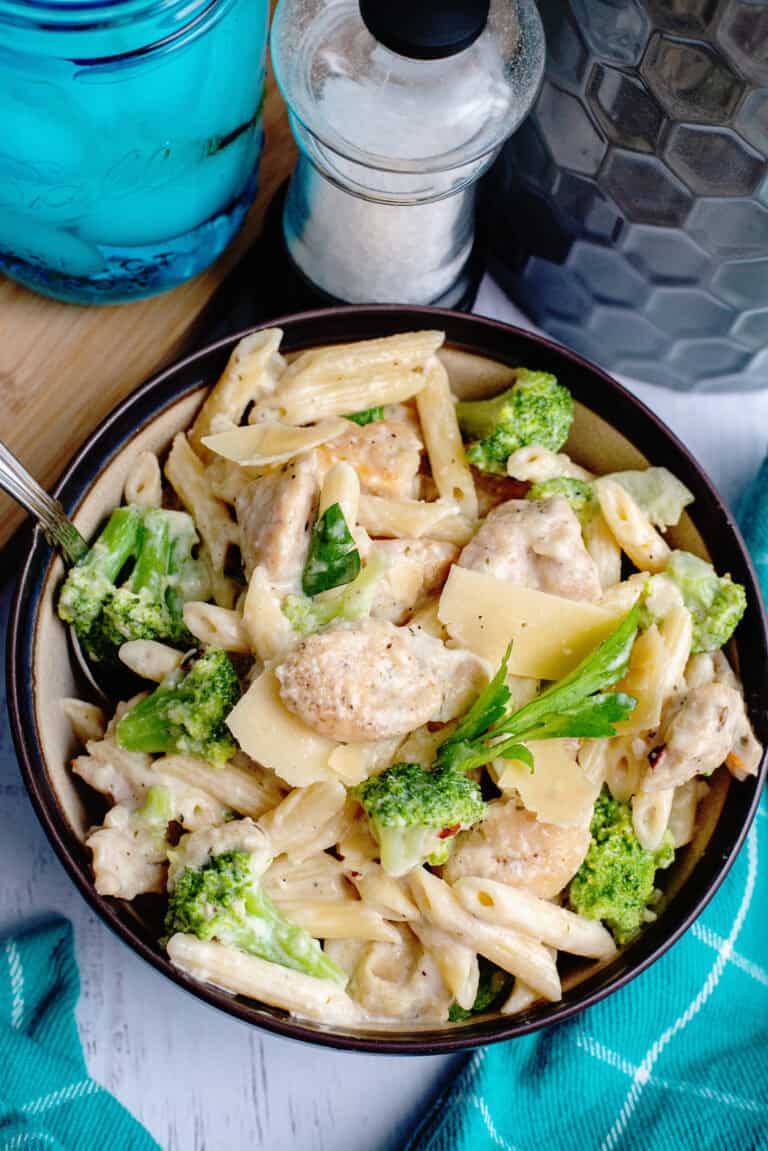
x=271, y=735
x=263, y=445
x=354, y=762
x=557, y=790
x=550, y=635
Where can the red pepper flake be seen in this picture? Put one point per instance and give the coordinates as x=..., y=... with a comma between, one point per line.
x=354, y=874
x=447, y=832
x=655, y=755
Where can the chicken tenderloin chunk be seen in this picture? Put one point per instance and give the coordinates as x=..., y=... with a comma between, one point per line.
x=511, y=845
x=415, y=569
x=699, y=731
x=535, y=544
x=275, y=513
x=385, y=454
x=371, y=680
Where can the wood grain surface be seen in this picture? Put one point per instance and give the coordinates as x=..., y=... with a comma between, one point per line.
x=64, y=366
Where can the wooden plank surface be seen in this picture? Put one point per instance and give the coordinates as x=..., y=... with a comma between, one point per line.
x=63, y=366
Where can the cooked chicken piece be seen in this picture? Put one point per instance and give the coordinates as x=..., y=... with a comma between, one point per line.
x=513, y=846
x=385, y=454
x=416, y=569
x=275, y=513
x=698, y=732
x=535, y=544
x=128, y=860
x=371, y=680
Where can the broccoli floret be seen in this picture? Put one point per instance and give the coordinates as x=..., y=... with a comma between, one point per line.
x=413, y=813
x=579, y=493
x=223, y=900
x=186, y=713
x=352, y=601
x=615, y=881
x=492, y=984
x=148, y=605
x=715, y=602
x=535, y=410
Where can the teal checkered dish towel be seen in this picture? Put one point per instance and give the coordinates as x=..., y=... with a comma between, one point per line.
x=676, y=1060
x=48, y=1102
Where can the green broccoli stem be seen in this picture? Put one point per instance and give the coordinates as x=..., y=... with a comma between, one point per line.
x=145, y=727
x=275, y=938
x=154, y=558
x=478, y=418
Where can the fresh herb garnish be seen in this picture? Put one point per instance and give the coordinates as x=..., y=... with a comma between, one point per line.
x=333, y=556
x=368, y=416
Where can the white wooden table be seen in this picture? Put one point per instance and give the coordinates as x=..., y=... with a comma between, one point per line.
x=201, y=1081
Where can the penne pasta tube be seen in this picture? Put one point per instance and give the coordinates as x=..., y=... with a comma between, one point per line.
x=217, y=626
x=150, y=659
x=88, y=722
x=650, y=816
x=383, y=892
x=252, y=372
x=297, y=820
x=604, y=550
x=144, y=485
x=534, y=463
x=519, y=999
x=403, y=518
x=514, y=952
x=445, y=447
x=456, y=962
x=630, y=526
x=187, y=477
x=341, y=486
x=508, y=906
x=270, y=635
x=338, y=919
x=401, y=352
x=242, y=974
x=250, y=791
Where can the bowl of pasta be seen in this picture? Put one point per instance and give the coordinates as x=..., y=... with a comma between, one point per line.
x=445, y=675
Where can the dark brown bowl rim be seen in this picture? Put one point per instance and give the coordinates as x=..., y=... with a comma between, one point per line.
x=485, y=337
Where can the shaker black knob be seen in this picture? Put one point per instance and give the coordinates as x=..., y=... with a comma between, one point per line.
x=425, y=29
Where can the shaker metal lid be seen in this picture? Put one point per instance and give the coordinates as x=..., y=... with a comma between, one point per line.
x=425, y=29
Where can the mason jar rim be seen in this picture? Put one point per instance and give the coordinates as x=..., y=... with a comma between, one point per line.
x=90, y=15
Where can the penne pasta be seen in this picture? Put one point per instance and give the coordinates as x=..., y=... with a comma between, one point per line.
x=604, y=550
x=252, y=372
x=534, y=463
x=405, y=519
x=187, y=477
x=246, y=788
x=442, y=437
x=506, y=906
x=383, y=892
x=217, y=626
x=150, y=659
x=630, y=527
x=457, y=963
x=241, y=974
x=341, y=486
x=338, y=919
x=294, y=825
x=513, y=952
x=650, y=816
x=88, y=722
x=144, y=485
x=270, y=635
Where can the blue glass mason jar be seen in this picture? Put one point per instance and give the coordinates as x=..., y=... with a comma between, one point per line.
x=630, y=212
x=130, y=134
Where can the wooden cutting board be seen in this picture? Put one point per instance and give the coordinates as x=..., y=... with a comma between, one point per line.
x=63, y=366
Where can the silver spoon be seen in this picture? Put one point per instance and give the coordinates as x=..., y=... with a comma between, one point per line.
x=61, y=533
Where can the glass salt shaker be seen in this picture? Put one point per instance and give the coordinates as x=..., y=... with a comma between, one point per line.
x=397, y=109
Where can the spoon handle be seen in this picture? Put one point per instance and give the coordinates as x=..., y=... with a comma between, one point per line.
x=19, y=484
